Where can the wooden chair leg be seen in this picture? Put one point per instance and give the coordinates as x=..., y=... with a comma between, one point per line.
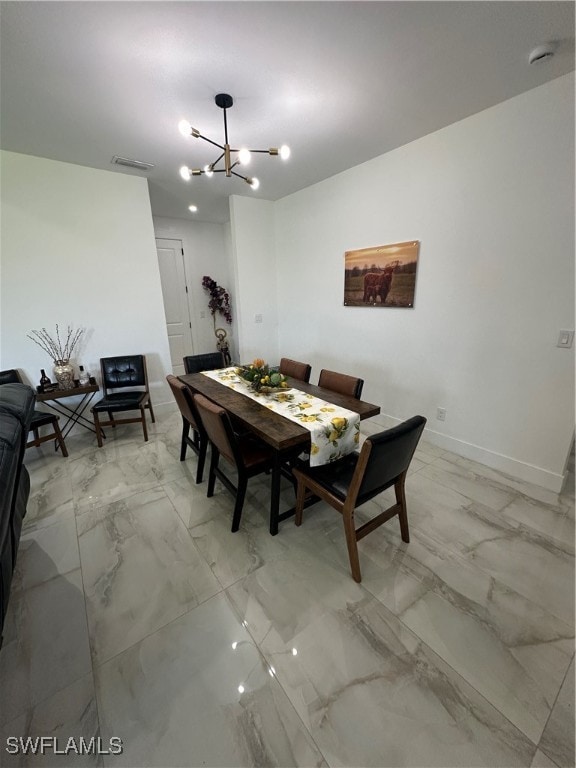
x=144, y=428
x=98, y=429
x=60, y=439
x=300, y=496
x=185, y=433
x=36, y=437
x=240, y=496
x=352, y=544
x=149, y=406
x=111, y=419
x=212, y=473
x=202, y=449
x=402, y=514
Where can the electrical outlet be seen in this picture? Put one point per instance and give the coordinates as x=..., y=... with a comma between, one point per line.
x=441, y=414
x=202, y=314
x=257, y=318
x=565, y=339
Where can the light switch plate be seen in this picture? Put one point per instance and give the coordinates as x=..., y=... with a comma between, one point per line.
x=565, y=339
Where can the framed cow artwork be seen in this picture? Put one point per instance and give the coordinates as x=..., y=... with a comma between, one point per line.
x=383, y=276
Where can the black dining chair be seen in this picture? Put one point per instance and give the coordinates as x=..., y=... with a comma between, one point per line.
x=209, y=361
x=190, y=420
x=248, y=455
x=355, y=479
x=120, y=377
x=39, y=418
x=341, y=383
x=295, y=369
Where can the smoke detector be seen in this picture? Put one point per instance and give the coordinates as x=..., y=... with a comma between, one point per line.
x=541, y=53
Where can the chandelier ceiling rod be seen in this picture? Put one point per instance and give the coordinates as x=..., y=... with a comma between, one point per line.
x=225, y=101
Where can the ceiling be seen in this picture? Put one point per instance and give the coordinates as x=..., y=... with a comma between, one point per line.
x=339, y=82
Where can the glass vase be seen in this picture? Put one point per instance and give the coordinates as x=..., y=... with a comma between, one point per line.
x=64, y=374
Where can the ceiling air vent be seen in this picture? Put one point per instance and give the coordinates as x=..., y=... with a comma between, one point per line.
x=141, y=166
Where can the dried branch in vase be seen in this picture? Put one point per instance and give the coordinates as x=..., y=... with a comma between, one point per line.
x=59, y=349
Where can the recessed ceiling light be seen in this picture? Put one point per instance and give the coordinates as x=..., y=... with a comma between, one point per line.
x=193, y=208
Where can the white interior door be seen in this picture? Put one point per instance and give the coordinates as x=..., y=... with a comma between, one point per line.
x=176, y=306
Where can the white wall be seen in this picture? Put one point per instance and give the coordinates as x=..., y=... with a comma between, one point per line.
x=491, y=199
x=254, y=259
x=206, y=252
x=78, y=248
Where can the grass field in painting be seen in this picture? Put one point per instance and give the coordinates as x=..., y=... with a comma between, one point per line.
x=401, y=292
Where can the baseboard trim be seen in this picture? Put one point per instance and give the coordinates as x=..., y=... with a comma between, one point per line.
x=163, y=409
x=519, y=470
x=160, y=409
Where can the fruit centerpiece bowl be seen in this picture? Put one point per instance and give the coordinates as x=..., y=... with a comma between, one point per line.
x=261, y=377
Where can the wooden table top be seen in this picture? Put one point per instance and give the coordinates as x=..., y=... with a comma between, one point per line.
x=276, y=430
x=57, y=394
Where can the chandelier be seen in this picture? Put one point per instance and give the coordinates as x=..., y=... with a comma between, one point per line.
x=231, y=157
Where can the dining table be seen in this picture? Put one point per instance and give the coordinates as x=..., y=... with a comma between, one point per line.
x=287, y=438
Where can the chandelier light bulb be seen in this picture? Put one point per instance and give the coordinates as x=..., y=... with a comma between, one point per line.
x=193, y=208
x=208, y=171
x=244, y=156
x=254, y=183
x=185, y=173
x=184, y=127
x=284, y=152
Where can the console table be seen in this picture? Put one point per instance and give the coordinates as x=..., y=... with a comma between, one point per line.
x=73, y=414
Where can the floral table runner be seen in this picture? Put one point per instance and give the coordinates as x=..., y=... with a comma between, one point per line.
x=335, y=431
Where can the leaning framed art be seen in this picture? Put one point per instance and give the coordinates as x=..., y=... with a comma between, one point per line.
x=382, y=276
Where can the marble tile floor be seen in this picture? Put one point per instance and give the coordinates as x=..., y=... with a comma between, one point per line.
x=135, y=613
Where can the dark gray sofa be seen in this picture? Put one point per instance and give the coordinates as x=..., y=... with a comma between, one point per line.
x=16, y=408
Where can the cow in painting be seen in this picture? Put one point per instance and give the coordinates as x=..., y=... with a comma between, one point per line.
x=377, y=284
